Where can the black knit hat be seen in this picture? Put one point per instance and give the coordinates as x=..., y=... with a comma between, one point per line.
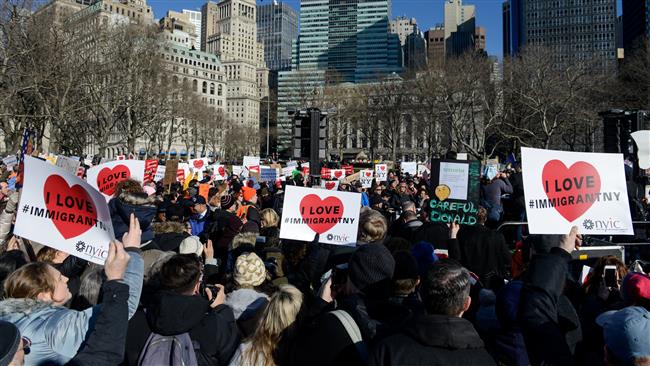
x=406, y=267
x=9, y=341
x=227, y=201
x=369, y=264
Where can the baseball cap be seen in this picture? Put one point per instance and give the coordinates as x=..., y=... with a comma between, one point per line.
x=198, y=200
x=626, y=332
x=635, y=286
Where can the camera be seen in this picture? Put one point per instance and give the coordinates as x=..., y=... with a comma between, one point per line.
x=213, y=289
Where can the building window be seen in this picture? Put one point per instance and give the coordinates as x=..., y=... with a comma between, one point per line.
x=212, y=88
x=205, y=87
x=195, y=85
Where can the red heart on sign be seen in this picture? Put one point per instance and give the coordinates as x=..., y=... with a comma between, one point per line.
x=198, y=164
x=368, y=174
x=313, y=209
x=338, y=174
x=581, y=179
x=76, y=209
x=222, y=171
x=382, y=167
x=108, y=178
x=330, y=185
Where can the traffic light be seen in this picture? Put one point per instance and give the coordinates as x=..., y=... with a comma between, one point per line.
x=310, y=136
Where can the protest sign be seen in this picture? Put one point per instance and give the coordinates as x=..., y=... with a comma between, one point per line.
x=64, y=212
x=10, y=160
x=381, y=172
x=204, y=190
x=330, y=185
x=366, y=177
x=160, y=173
x=422, y=169
x=171, y=169
x=198, y=165
x=349, y=169
x=269, y=175
x=352, y=178
x=70, y=165
x=219, y=172
x=252, y=163
x=183, y=172
x=325, y=173
x=409, y=167
x=456, y=192
x=105, y=177
x=286, y=172
x=120, y=157
x=333, y=215
x=292, y=164
x=81, y=171
x=237, y=170
x=150, y=168
x=642, y=140
x=565, y=189
x=337, y=174
x=51, y=159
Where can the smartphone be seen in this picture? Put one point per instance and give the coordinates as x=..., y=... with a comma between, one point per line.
x=610, y=276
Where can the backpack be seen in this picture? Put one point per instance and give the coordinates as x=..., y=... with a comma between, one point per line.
x=353, y=331
x=174, y=350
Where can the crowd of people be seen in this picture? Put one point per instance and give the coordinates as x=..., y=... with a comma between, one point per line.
x=195, y=280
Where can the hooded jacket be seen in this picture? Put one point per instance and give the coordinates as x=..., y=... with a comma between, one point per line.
x=57, y=332
x=169, y=235
x=213, y=331
x=144, y=208
x=432, y=340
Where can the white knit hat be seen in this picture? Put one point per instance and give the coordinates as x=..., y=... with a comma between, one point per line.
x=249, y=270
x=191, y=245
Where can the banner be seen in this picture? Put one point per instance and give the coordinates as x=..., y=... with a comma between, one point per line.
x=381, y=172
x=105, y=177
x=366, y=177
x=198, y=165
x=171, y=170
x=252, y=163
x=269, y=175
x=565, y=189
x=64, y=212
x=70, y=165
x=160, y=173
x=409, y=167
x=456, y=194
x=150, y=169
x=219, y=172
x=330, y=185
x=349, y=169
x=333, y=215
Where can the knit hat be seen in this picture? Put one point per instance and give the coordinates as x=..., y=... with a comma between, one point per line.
x=227, y=201
x=198, y=200
x=369, y=264
x=406, y=267
x=424, y=255
x=635, y=286
x=248, y=193
x=249, y=270
x=191, y=245
x=9, y=342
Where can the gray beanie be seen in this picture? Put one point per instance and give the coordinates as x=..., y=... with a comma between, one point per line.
x=369, y=264
x=9, y=341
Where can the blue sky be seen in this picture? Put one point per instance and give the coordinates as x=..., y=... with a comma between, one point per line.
x=427, y=12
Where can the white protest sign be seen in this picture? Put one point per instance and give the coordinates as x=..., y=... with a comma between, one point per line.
x=198, y=165
x=105, y=177
x=160, y=173
x=409, y=167
x=252, y=163
x=331, y=185
x=64, y=212
x=381, y=172
x=366, y=177
x=286, y=172
x=183, y=172
x=292, y=164
x=456, y=177
x=10, y=160
x=70, y=165
x=333, y=215
x=237, y=169
x=337, y=174
x=219, y=172
x=642, y=140
x=423, y=169
x=565, y=189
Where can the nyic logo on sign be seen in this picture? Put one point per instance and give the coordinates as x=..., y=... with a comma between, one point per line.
x=338, y=238
x=602, y=225
x=90, y=250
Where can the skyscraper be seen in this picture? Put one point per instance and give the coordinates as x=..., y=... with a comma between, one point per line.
x=636, y=24
x=277, y=29
x=460, y=27
x=435, y=38
x=339, y=41
x=230, y=32
x=403, y=26
x=514, y=34
x=505, y=21
x=573, y=31
x=195, y=18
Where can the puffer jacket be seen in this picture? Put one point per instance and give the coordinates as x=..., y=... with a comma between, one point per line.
x=57, y=332
x=144, y=208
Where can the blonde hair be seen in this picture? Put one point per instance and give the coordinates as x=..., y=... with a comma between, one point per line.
x=30, y=280
x=243, y=239
x=279, y=314
x=269, y=218
x=372, y=226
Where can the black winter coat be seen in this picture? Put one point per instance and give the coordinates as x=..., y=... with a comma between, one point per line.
x=168, y=313
x=549, y=321
x=432, y=340
x=485, y=252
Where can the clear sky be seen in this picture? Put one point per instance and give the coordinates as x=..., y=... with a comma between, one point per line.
x=427, y=12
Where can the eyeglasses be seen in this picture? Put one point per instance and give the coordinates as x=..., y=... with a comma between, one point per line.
x=27, y=344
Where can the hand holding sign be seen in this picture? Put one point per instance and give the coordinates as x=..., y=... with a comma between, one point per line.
x=131, y=239
x=118, y=258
